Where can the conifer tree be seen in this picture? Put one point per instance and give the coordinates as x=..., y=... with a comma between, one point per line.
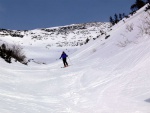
x=139, y=3
x=116, y=18
x=134, y=8
x=120, y=16
x=123, y=15
x=111, y=20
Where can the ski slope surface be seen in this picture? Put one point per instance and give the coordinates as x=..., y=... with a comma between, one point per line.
x=105, y=76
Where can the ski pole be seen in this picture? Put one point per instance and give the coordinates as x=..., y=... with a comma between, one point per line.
x=70, y=60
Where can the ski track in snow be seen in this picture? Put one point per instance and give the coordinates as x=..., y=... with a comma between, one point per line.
x=72, y=89
x=102, y=78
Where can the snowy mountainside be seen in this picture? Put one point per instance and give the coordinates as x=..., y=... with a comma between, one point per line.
x=105, y=76
x=67, y=38
x=71, y=35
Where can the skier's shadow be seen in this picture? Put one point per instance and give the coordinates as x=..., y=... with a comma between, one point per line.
x=148, y=100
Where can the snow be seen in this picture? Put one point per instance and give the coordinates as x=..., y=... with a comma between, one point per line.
x=105, y=76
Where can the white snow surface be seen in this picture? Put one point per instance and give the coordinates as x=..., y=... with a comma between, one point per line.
x=105, y=76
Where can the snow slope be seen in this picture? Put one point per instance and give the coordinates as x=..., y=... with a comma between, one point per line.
x=105, y=76
x=69, y=37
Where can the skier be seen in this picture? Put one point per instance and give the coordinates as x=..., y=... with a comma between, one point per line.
x=64, y=56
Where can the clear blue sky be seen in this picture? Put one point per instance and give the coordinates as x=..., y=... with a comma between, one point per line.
x=32, y=14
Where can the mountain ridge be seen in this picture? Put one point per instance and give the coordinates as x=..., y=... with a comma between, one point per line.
x=63, y=32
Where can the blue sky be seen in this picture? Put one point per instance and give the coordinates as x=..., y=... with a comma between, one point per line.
x=32, y=14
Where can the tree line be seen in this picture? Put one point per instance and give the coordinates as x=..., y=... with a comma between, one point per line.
x=136, y=6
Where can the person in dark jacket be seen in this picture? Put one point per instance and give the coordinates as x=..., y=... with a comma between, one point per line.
x=64, y=58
